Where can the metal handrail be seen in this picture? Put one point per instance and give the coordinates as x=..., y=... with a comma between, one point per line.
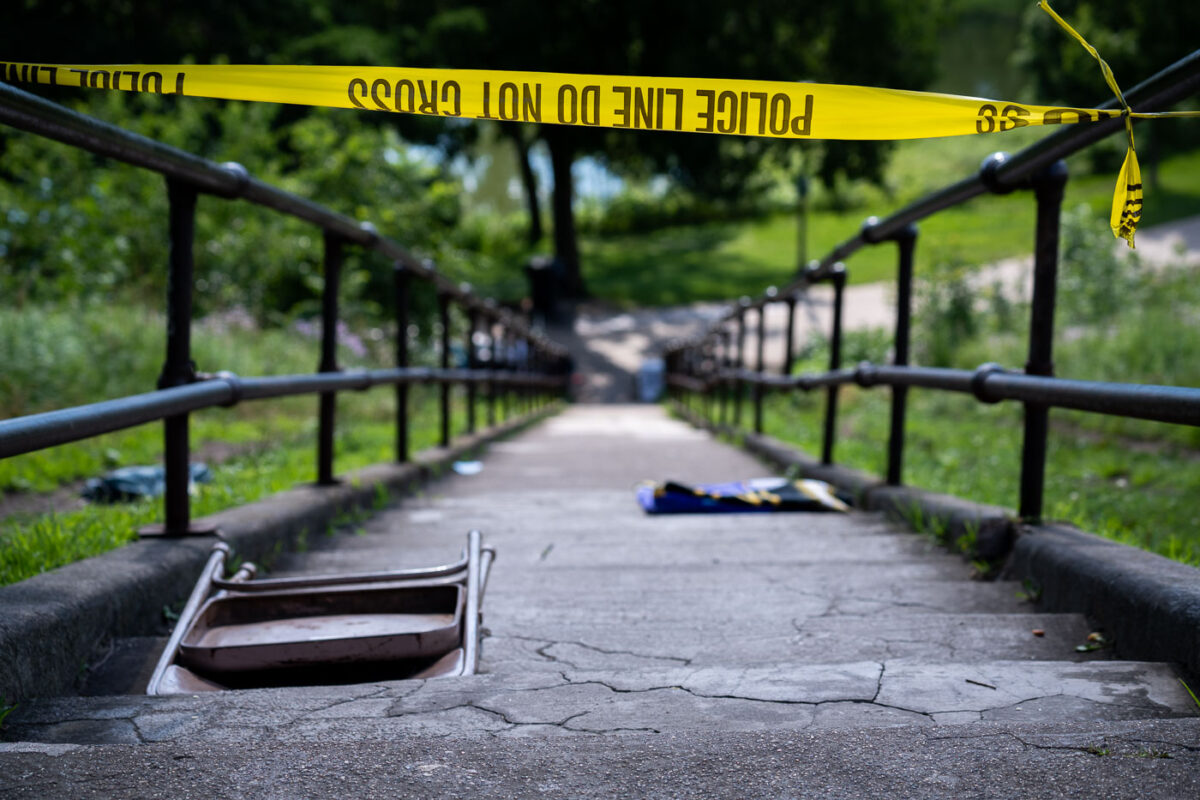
x=28, y=112
x=536, y=375
x=51, y=428
x=714, y=366
x=1000, y=173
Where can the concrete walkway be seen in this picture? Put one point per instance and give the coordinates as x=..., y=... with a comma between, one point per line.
x=626, y=655
x=609, y=346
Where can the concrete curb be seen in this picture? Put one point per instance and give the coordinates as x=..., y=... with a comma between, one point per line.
x=52, y=623
x=980, y=531
x=1148, y=605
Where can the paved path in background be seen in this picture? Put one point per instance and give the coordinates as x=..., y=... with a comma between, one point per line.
x=628, y=655
x=610, y=346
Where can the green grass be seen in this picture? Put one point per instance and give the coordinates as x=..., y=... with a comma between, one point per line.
x=1130, y=480
x=954, y=445
x=720, y=261
x=33, y=543
x=264, y=447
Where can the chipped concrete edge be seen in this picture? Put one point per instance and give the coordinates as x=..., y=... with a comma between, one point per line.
x=1148, y=605
x=51, y=624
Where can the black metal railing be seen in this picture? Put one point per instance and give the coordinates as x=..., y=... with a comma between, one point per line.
x=525, y=370
x=707, y=373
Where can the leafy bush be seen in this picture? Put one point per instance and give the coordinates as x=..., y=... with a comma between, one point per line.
x=945, y=316
x=75, y=225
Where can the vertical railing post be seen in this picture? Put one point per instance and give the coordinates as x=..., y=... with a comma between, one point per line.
x=722, y=386
x=527, y=370
x=712, y=394
x=178, y=368
x=759, y=364
x=443, y=300
x=507, y=341
x=739, y=361
x=1048, y=187
x=835, y=362
x=493, y=365
x=472, y=365
x=402, y=282
x=789, y=346
x=329, y=324
x=906, y=241
x=534, y=371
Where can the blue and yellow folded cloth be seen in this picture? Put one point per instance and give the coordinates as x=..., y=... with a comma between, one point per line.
x=758, y=494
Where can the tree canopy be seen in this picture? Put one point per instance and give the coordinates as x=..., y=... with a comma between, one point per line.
x=874, y=42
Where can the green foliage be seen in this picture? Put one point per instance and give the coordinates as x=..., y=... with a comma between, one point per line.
x=946, y=315
x=956, y=446
x=74, y=226
x=1128, y=480
x=1191, y=694
x=676, y=264
x=34, y=543
x=1137, y=40
x=1096, y=280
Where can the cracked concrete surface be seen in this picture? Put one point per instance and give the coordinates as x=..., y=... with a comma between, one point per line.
x=635, y=635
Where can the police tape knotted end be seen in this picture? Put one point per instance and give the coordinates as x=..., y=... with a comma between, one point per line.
x=1127, y=196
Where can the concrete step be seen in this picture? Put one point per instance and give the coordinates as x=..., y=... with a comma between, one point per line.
x=570, y=533
x=964, y=638
x=691, y=656
x=667, y=699
x=1143, y=760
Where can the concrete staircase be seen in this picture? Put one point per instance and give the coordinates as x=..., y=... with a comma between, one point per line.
x=772, y=654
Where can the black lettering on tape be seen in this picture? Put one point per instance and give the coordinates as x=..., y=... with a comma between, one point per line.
x=724, y=100
x=986, y=122
x=621, y=112
x=643, y=108
x=133, y=79
x=446, y=87
x=152, y=82
x=706, y=116
x=428, y=100
x=1055, y=116
x=678, y=95
x=744, y=108
x=83, y=73
x=376, y=85
x=179, y=82
x=412, y=96
x=589, y=99
x=510, y=98
x=568, y=104
x=1013, y=116
x=487, y=102
x=531, y=102
x=806, y=117
x=361, y=86
x=761, y=97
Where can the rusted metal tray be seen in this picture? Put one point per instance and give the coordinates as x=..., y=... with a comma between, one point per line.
x=292, y=631
x=240, y=632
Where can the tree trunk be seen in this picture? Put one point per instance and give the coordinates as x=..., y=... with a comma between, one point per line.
x=566, y=246
x=528, y=181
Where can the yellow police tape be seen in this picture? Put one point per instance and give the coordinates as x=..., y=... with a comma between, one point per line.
x=752, y=108
x=778, y=109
